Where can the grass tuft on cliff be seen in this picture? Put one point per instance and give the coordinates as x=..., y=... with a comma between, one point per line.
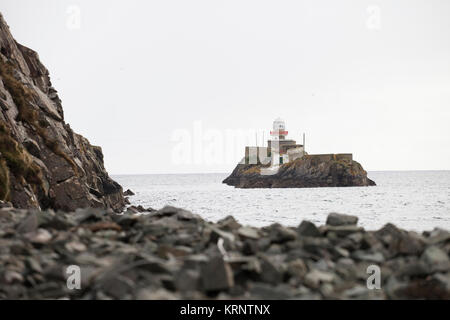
x=22, y=96
x=15, y=160
x=4, y=180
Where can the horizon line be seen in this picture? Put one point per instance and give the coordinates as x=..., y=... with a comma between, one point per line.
x=192, y=173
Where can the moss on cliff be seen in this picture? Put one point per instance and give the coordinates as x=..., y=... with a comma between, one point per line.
x=22, y=96
x=253, y=170
x=4, y=180
x=15, y=160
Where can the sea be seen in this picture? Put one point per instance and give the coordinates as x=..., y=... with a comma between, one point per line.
x=412, y=200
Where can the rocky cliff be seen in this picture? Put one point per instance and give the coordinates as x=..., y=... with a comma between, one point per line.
x=308, y=172
x=43, y=163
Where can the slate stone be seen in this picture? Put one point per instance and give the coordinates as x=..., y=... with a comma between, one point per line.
x=336, y=219
x=308, y=229
x=217, y=275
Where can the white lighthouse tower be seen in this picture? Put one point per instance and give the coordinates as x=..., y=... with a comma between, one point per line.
x=279, y=150
x=279, y=130
x=278, y=135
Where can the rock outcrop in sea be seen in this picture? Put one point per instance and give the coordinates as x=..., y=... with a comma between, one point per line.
x=43, y=163
x=172, y=253
x=307, y=172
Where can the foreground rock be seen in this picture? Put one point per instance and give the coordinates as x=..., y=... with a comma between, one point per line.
x=172, y=254
x=43, y=163
x=307, y=172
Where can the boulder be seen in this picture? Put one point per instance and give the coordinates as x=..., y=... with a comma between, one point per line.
x=308, y=229
x=280, y=234
x=438, y=236
x=297, y=268
x=228, y=223
x=216, y=234
x=336, y=219
x=248, y=233
x=271, y=270
x=436, y=259
x=217, y=275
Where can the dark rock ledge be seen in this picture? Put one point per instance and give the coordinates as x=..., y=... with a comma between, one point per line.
x=172, y=253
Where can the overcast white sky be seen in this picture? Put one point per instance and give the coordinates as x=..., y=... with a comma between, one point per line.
x=367, y=77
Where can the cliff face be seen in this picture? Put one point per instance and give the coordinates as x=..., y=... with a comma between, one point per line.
x=308, y=172
x=43, y=163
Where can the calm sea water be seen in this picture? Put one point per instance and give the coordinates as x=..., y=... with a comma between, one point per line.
x=414, y=200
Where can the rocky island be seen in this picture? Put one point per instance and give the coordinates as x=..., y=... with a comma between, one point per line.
x=307, y=172
x=285, y=164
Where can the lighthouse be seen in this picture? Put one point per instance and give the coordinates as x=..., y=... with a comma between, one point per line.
x=279, y=148
x=283, y=150
x=279, y=130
